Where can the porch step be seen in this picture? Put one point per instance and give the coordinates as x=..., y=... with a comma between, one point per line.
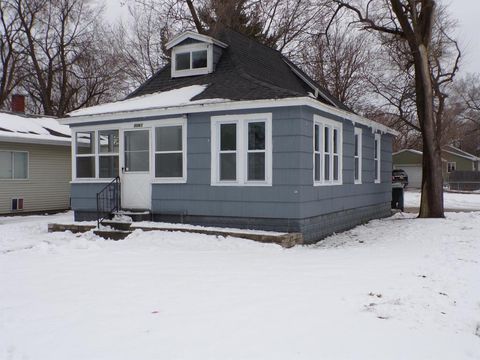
x=134, y=215
x=112, y=234
x=117, y=224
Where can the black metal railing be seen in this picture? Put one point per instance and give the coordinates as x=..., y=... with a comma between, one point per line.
x=108, y=200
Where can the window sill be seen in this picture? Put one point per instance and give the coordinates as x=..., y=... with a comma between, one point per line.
x=239, y=184
x=169, y=181
x=327, y=184
x=91, y=181
x=377, y=182
x=14, y=179
x=357, y=182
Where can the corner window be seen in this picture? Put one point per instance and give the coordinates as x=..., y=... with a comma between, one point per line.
x=13, y=165
x=357, y=155
x=85, y=154
x=242, y=150
x=327, y=152
x=170, y=152
x=192, y=59
x=451, y=166
x=376, y=157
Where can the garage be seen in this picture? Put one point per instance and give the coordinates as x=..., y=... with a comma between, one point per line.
x=414, y=173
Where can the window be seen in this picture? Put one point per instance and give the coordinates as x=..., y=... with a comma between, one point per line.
x=376, y=158
x=451, y=166
x=13, y=165
x=357, y=156
x=327, y=152
x=170, y=152
x=108, y=142
x=242, y=150
x=85, y=154
x=192, y=59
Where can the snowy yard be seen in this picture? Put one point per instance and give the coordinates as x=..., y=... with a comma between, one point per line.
x=399, y=288
x=451, y=201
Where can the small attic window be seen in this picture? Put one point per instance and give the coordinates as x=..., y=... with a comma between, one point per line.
x=192, y=59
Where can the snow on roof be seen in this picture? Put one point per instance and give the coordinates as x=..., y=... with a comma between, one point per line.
x=33, y=129
x=409, y=150
x=175, y=97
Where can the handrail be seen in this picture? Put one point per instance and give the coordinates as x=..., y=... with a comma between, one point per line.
x=108, y=200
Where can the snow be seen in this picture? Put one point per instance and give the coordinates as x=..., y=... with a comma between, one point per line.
x=451, y=201
x=397, y=288
x=176, y=97
x=32, y=128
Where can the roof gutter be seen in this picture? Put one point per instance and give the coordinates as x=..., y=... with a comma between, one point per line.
x=228, y=105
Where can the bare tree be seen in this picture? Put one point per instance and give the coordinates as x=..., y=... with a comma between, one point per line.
x=11, y=58
x=409, y=26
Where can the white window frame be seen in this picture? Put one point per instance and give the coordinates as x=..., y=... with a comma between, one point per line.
x=99, y=155
x=332, y=125
x=167, y=123
x=357, y=132
x=378, y=140
x=241, y=151
x=189, y=49
x=13, y=165
x=454, y=165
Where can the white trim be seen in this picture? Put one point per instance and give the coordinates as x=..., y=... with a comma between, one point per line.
x=332, y=126
x=454, y=166
x=190, y=48
x=459, y=155
x=214, y=105
x=166, y=123
x=378, y=174
x=196, y=36
x=241, y=151
x=358, y=132
x=417, y=152
x=31, y=140
x=471, y=156
x=13, y=165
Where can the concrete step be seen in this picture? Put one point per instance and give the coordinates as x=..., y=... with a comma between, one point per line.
x=135, y=215
x=112, y=234
x=117, y=225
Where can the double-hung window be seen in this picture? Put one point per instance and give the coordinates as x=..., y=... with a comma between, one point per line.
x=108, y=142
x=13, y=165
x=170, y=151
x=327, y=152
x=357, y=155
x=376, y=157
x=242, y=150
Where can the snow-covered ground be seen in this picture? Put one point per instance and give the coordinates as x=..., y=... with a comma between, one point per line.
x=452, y=201
x=398, y=288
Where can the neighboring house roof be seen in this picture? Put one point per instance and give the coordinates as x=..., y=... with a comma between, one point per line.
x=456, y=151
x=408, y=150
x=248, y=75
x=33, y=129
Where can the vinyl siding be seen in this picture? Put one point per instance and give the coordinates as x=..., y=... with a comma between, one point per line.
x=48, y=183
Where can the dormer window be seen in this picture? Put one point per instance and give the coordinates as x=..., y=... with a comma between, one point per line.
x=193, y=54
x=192, y=59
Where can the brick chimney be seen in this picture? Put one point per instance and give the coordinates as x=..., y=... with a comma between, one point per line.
x=18, y=103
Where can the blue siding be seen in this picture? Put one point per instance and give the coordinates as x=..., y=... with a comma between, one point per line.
x=292, y=201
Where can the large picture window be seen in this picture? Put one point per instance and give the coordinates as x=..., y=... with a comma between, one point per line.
x=242, y=150
x=376, y=157
x=357, y=155
x=327, y=152
x=170, y=152
x=13, y=165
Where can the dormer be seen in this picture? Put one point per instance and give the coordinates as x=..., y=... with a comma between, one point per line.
x=194, y=54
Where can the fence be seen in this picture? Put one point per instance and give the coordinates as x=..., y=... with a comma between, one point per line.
x=464, y=180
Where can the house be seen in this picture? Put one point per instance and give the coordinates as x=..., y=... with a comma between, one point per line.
x=231, y=133
x=453, y=159
x=35, y=162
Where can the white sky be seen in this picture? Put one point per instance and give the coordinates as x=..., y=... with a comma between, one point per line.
x=466, y=12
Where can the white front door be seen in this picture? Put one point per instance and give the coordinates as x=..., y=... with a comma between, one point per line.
x=135, y=175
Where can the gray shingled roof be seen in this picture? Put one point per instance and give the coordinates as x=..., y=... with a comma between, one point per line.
x=247, y=70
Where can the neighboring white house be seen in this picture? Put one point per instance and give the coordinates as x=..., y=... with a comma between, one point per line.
x=35, y=168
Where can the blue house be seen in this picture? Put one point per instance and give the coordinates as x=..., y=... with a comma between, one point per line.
x=233, y=134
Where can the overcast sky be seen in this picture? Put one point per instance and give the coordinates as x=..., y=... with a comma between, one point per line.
x=466, y=12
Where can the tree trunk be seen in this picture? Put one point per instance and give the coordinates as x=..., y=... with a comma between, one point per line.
x=431, y=204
